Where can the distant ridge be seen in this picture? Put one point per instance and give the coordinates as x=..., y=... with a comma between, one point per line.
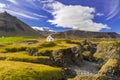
x=75, y=34
x=12, y=26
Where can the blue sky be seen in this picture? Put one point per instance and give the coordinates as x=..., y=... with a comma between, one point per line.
x=60, y=15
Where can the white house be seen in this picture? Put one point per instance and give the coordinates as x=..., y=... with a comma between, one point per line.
x=49, y=38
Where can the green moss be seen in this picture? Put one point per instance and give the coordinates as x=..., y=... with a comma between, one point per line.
x=86, y=54
x=110, y=64
x=106, y=50
x=10, y=70
x=24, y=58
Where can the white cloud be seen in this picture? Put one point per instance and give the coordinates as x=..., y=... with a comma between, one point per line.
x=42, y=28
x=37, y=15
x=75, y=17
x=2, y=5
x=22, y=15
x=113, y=9
x=45, y=1
x=21, y=9
x=13, y=1
x=100, y=14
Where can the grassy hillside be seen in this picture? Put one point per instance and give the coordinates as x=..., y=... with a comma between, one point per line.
x=24, y=58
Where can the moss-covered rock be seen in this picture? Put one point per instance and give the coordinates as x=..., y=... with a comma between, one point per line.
x=88, y=49
x=66, y=57
x=111, y=69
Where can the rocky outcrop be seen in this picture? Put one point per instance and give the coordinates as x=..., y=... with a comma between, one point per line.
x=74, y=55
x=67, y=57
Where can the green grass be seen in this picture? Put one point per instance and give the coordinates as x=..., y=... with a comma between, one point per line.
x=10, y=70
x=13, y=39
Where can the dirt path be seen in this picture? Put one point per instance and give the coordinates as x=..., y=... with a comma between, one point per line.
x=86, y=69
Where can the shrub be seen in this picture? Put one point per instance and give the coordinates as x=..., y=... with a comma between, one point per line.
x=11, y=49
x=32, y=51
x=44, y=53
x=48, y=44
x=15, y=49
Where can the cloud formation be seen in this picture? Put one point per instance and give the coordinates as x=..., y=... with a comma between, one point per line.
x=75, y=17
x=21, y=9
x=65, y=16
x=2, y=5
x=42, y=28
x=13, y=1
x=113, y=10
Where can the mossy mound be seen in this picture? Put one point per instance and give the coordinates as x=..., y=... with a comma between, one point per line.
x=106, y=50
x=10, y=70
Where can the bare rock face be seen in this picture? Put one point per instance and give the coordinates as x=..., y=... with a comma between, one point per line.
x=67, y=57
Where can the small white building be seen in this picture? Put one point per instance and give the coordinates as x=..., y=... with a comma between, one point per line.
x=49, y=38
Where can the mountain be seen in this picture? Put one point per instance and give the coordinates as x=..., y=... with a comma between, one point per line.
x=12, y=26
x=75, y=34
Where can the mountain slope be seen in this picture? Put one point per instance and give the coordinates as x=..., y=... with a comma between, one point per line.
x=11, y=26
x=75, y=34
